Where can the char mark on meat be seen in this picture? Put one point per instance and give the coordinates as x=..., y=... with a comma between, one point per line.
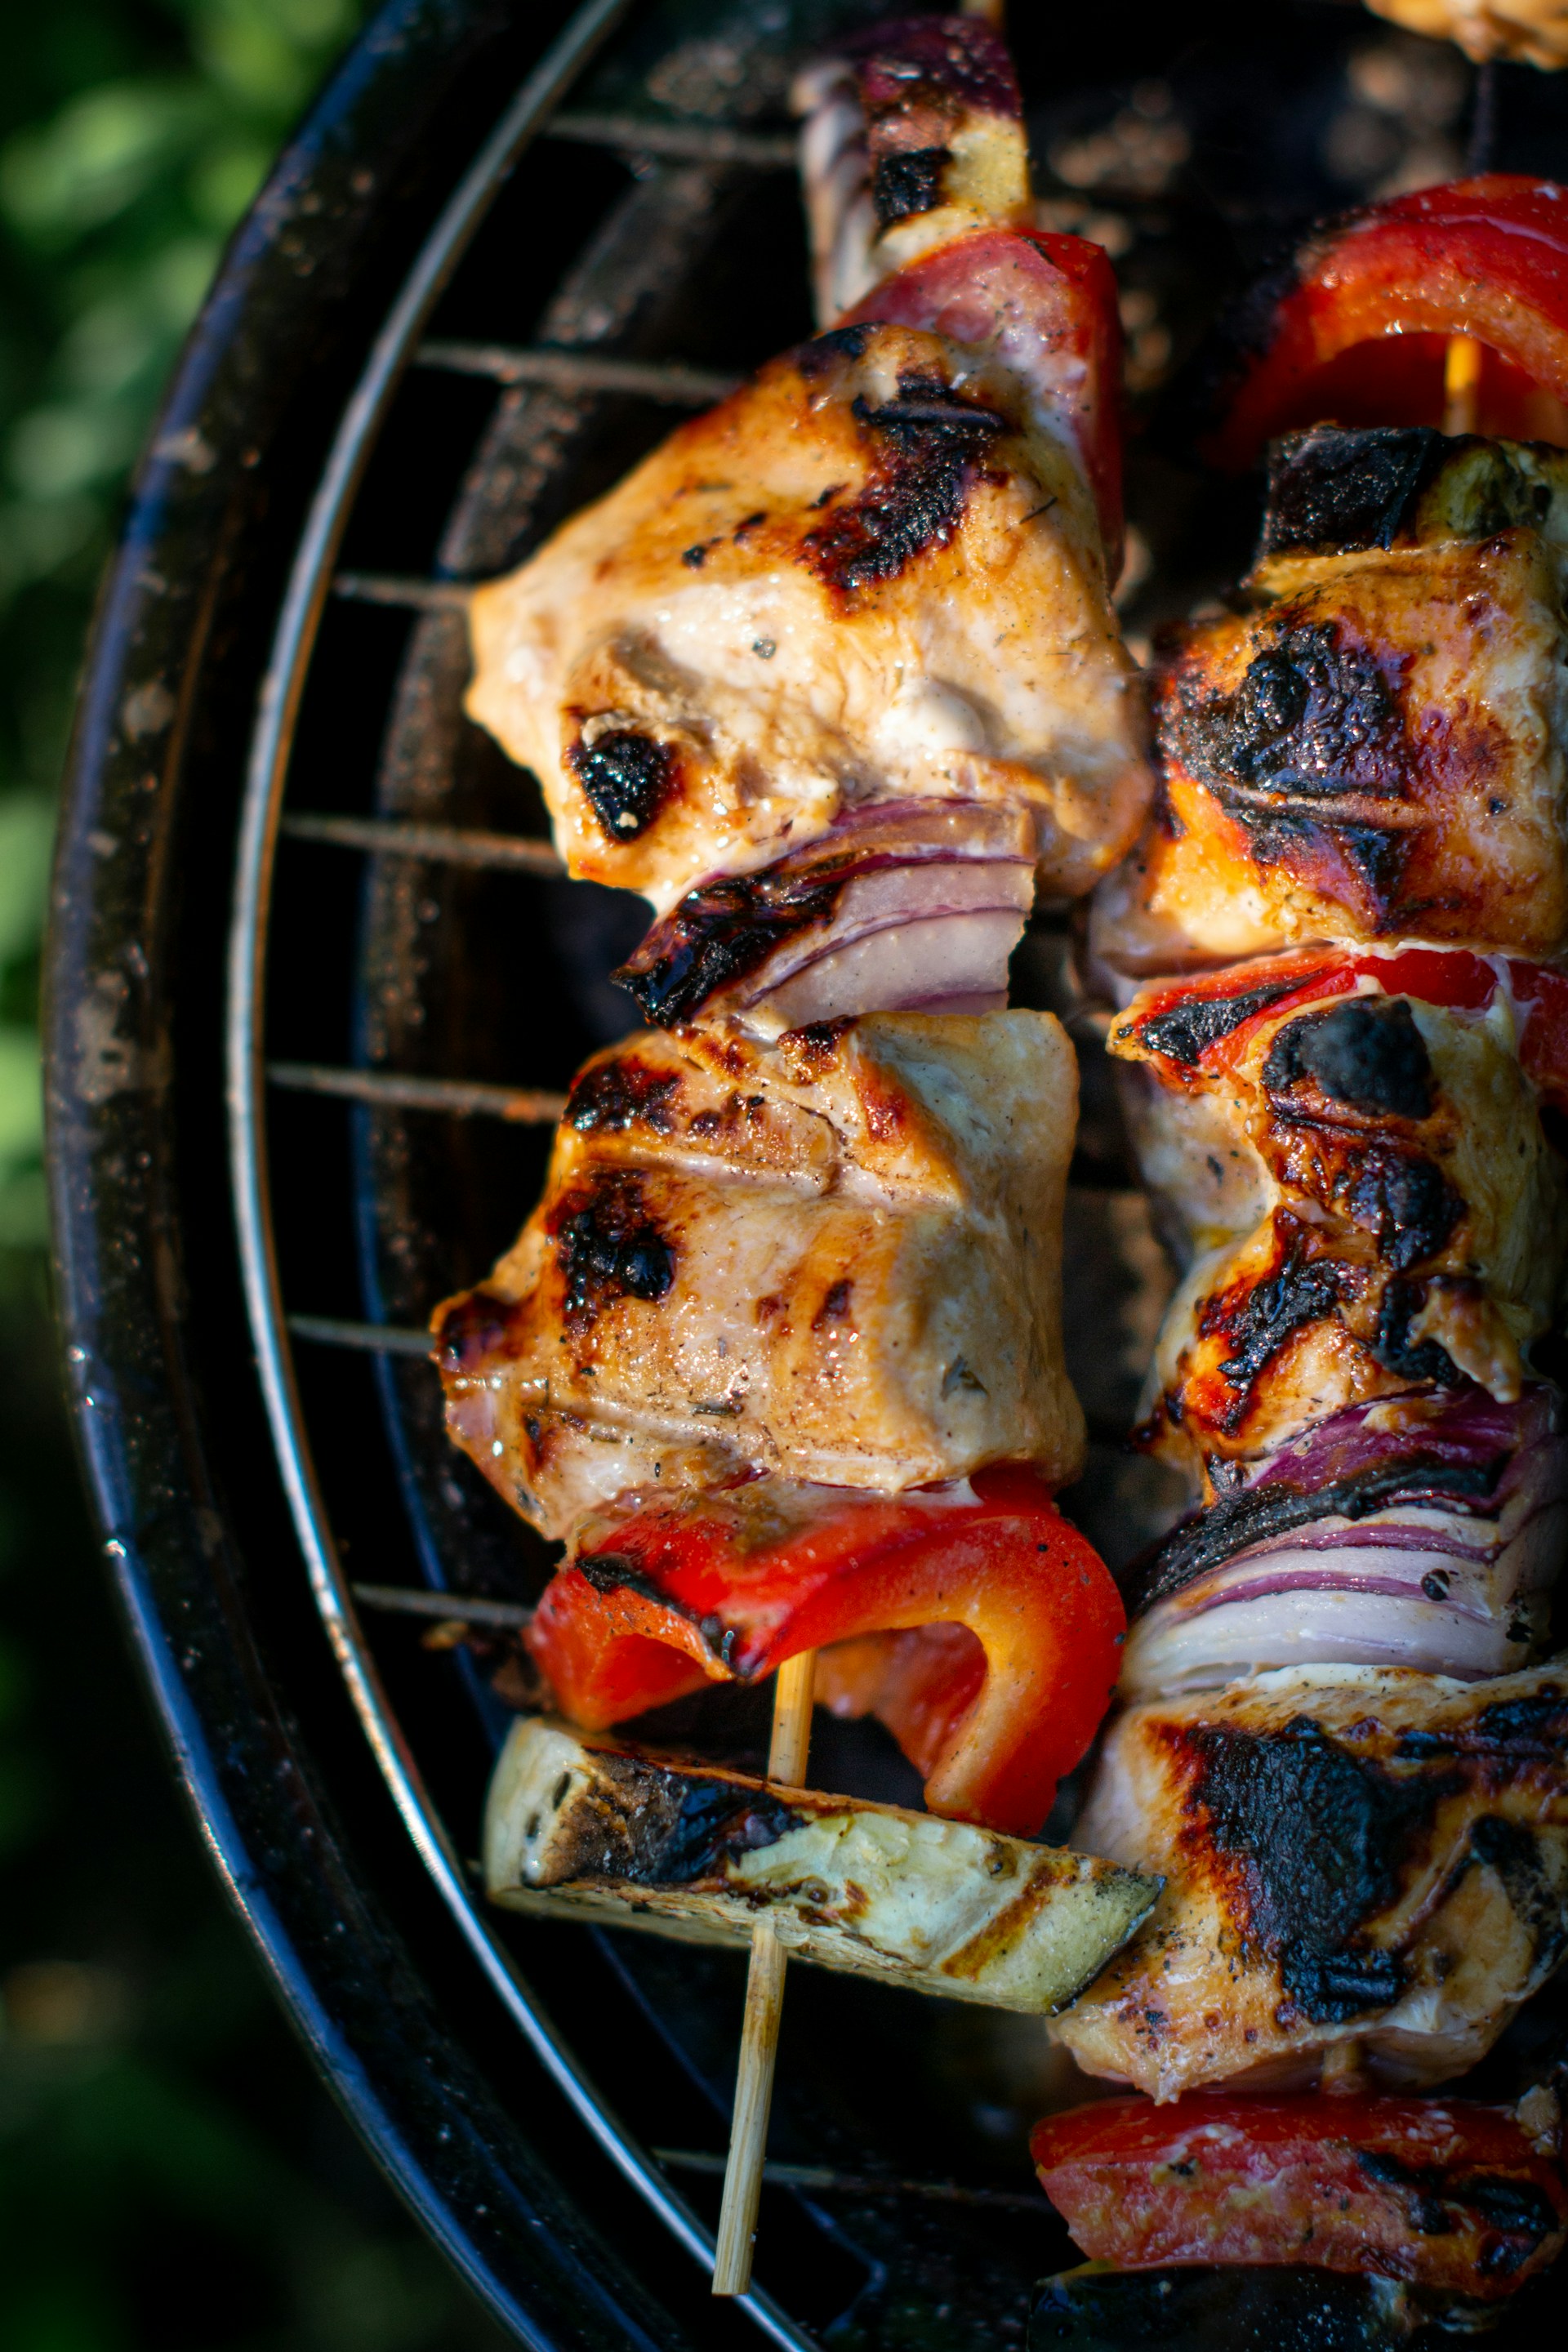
x=608, y=1246
x=627, y=777
x=1275, y=1507
x=612, y=1096
x=1332, y=490
x=930, y=447
x=1368, y=1056
x=1318, y=1841
x=1397, y=1352
x=1185, y=1032
x=1404, y=1201
x=1265, y=1315
x=908, y=183
x=474, y=1330
x=1311, y=720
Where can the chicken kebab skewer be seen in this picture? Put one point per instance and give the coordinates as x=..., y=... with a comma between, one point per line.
x=833, y=678
x=1340, y=1743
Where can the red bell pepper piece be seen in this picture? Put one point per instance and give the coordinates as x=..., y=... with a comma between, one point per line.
x=1441, y=2193
x=726, y=1585
x=1356, y=327
x=1045, y=305
x=1451, y=977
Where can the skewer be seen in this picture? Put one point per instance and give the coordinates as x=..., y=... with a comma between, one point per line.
x=1461, y=383
x=764, y=2005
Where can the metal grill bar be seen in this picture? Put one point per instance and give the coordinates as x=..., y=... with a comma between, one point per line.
x=441, y=844
x=449, y=1608
x=695, y=142
x=457, y=1098
x=400, y=588
x=854, y=2184
x=669, y=381
x=376, y=1339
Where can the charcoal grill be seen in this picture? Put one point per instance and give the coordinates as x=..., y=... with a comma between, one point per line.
x=316, y=985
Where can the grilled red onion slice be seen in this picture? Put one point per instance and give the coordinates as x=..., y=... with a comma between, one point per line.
x=915, y=906
x=1431, y=1543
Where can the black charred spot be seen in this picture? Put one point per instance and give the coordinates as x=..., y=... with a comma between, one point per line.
x=1405, y=1201
x=815, y=1048
x=608, y=1246
x=908, y=183
x=1319, y=1839
x=473, y=1330
x=612, y=1096
x=627, y=777
x=834, y=1307
x=930, y=447
x=612, y=1571
x=824, y=352
x=1527, y=1726
x=1185, y=1033
x=1435, y=1583
x=717, y=1824
x=1367, y=1054
x=1397, y=1352
x=721, y=933
x=1259, y=1322
x=1418, y=2191
x=1523, y=2213
x=1275, y=1506
x=1329, y=489
x=1311, y=719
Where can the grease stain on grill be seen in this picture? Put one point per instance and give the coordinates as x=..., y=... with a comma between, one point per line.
x=609, y=1246
x=929, y=446
x=626, y=776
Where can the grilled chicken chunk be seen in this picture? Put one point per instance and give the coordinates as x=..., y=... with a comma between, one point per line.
x=913, y=135
x=1410, y=1221
x=585, y=1825
x=1351, y=1856
x=870, y=576
x=1533, y=31
x=837, y=1259
x=1373, y=746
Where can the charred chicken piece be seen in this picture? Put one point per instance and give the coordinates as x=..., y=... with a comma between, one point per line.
x=1372, y=745
x=913, y=135
x=837, y=1259
x=868, y=577
x=590, y=1827
x=1405, y=1221
x=1351, y=1856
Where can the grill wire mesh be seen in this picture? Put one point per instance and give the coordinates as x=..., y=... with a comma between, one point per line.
x=414, y=983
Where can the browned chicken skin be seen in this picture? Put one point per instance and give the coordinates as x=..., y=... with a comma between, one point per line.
x=837, y=1260
x=1372, y=747
x=1352, y=1858
x=867, y=577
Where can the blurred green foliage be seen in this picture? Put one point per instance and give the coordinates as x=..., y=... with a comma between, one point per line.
x=171, y=2173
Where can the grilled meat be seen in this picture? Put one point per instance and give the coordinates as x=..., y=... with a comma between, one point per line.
x=588, y=1826
x=837, y=1259
x=1373, y=746
x=1534, y=32
x=913, y=135
x=867, y=577
x=1351, y=1856
x=1410, y=1219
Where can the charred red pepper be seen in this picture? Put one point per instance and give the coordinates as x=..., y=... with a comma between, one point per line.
x=726, y=1585
x=1355, y=328
x=1194, y=1028
x=1048, y=305
x=1441, y=2193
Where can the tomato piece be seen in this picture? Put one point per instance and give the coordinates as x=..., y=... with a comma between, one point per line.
x=726, y=1585
x=1356, y=327
x=1540, y=995
x=1442, y=2193
x=1045, y=305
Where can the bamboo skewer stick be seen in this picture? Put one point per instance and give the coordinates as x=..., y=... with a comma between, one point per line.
x=764, y=2007
x=1461, y=383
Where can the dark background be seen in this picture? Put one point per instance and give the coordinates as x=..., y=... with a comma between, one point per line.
x=171, y=2173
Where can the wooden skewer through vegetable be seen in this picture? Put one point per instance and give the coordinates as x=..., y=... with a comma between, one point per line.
x=764, y=2006
x=1461, y=383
